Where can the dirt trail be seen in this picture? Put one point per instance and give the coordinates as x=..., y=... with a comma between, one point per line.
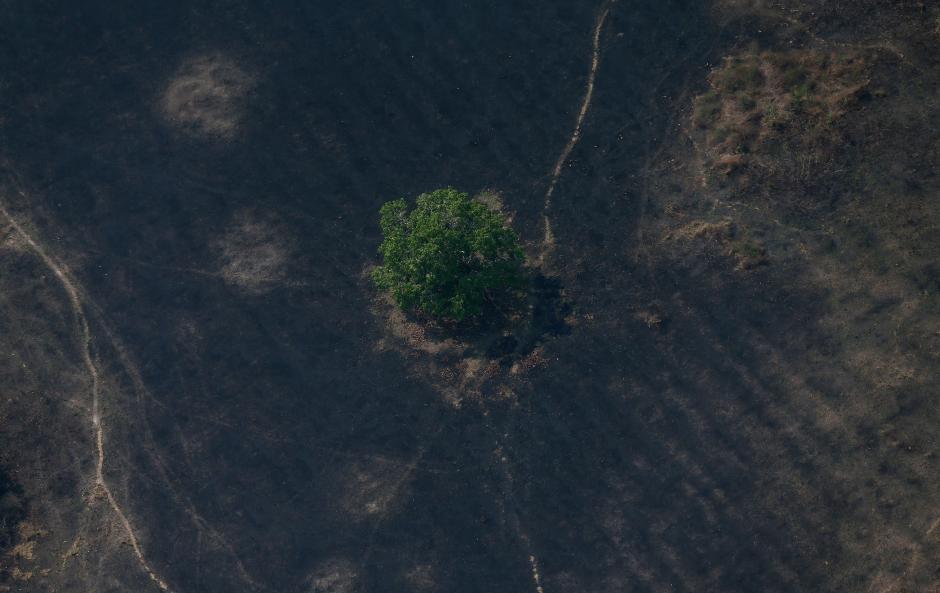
x=203, y=527
x=548, y=240
x=548, y=243
x=509, y=483
x=75, y=299
x=500, y=452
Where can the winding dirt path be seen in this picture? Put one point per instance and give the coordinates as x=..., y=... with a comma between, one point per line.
x=513, y=517
x=548, y=241
x=75, y=299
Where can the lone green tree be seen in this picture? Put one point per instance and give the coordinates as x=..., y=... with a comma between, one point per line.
x=448, y=255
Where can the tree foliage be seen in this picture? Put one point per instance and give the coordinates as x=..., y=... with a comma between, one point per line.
x=447, y=256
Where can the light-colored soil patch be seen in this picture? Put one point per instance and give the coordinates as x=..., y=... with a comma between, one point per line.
x=205, y=96
x=444, y=361
x=336, y=575
x=253, y=252
x=370, y=487
x=421, y=577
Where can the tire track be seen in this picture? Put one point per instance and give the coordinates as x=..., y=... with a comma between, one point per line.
x=78, y=308
x=548, y=240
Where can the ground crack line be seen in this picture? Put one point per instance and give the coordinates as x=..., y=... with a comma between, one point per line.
x=78, y=309
x=548, y=241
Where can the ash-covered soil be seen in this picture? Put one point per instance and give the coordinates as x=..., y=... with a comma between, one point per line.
x=729, y=382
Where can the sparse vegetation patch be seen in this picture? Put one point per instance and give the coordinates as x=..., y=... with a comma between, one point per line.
x=791, y=97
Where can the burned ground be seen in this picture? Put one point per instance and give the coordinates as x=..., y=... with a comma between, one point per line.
x=740, y=397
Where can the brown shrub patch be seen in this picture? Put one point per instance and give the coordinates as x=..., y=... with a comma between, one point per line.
x=791, y=98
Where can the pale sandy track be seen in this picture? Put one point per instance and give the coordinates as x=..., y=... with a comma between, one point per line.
x=548, y=242
x=75, y=299
x=513, y=517
x=203, y=527
x=548, y=239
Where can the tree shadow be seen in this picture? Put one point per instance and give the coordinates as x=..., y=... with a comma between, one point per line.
x=512, y=325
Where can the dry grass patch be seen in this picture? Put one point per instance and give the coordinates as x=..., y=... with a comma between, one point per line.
x=724, y=236
x=790, y=98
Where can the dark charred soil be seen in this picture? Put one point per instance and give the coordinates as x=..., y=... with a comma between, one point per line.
x=727, y=376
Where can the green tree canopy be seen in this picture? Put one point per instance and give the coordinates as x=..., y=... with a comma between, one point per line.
x=448, y=255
